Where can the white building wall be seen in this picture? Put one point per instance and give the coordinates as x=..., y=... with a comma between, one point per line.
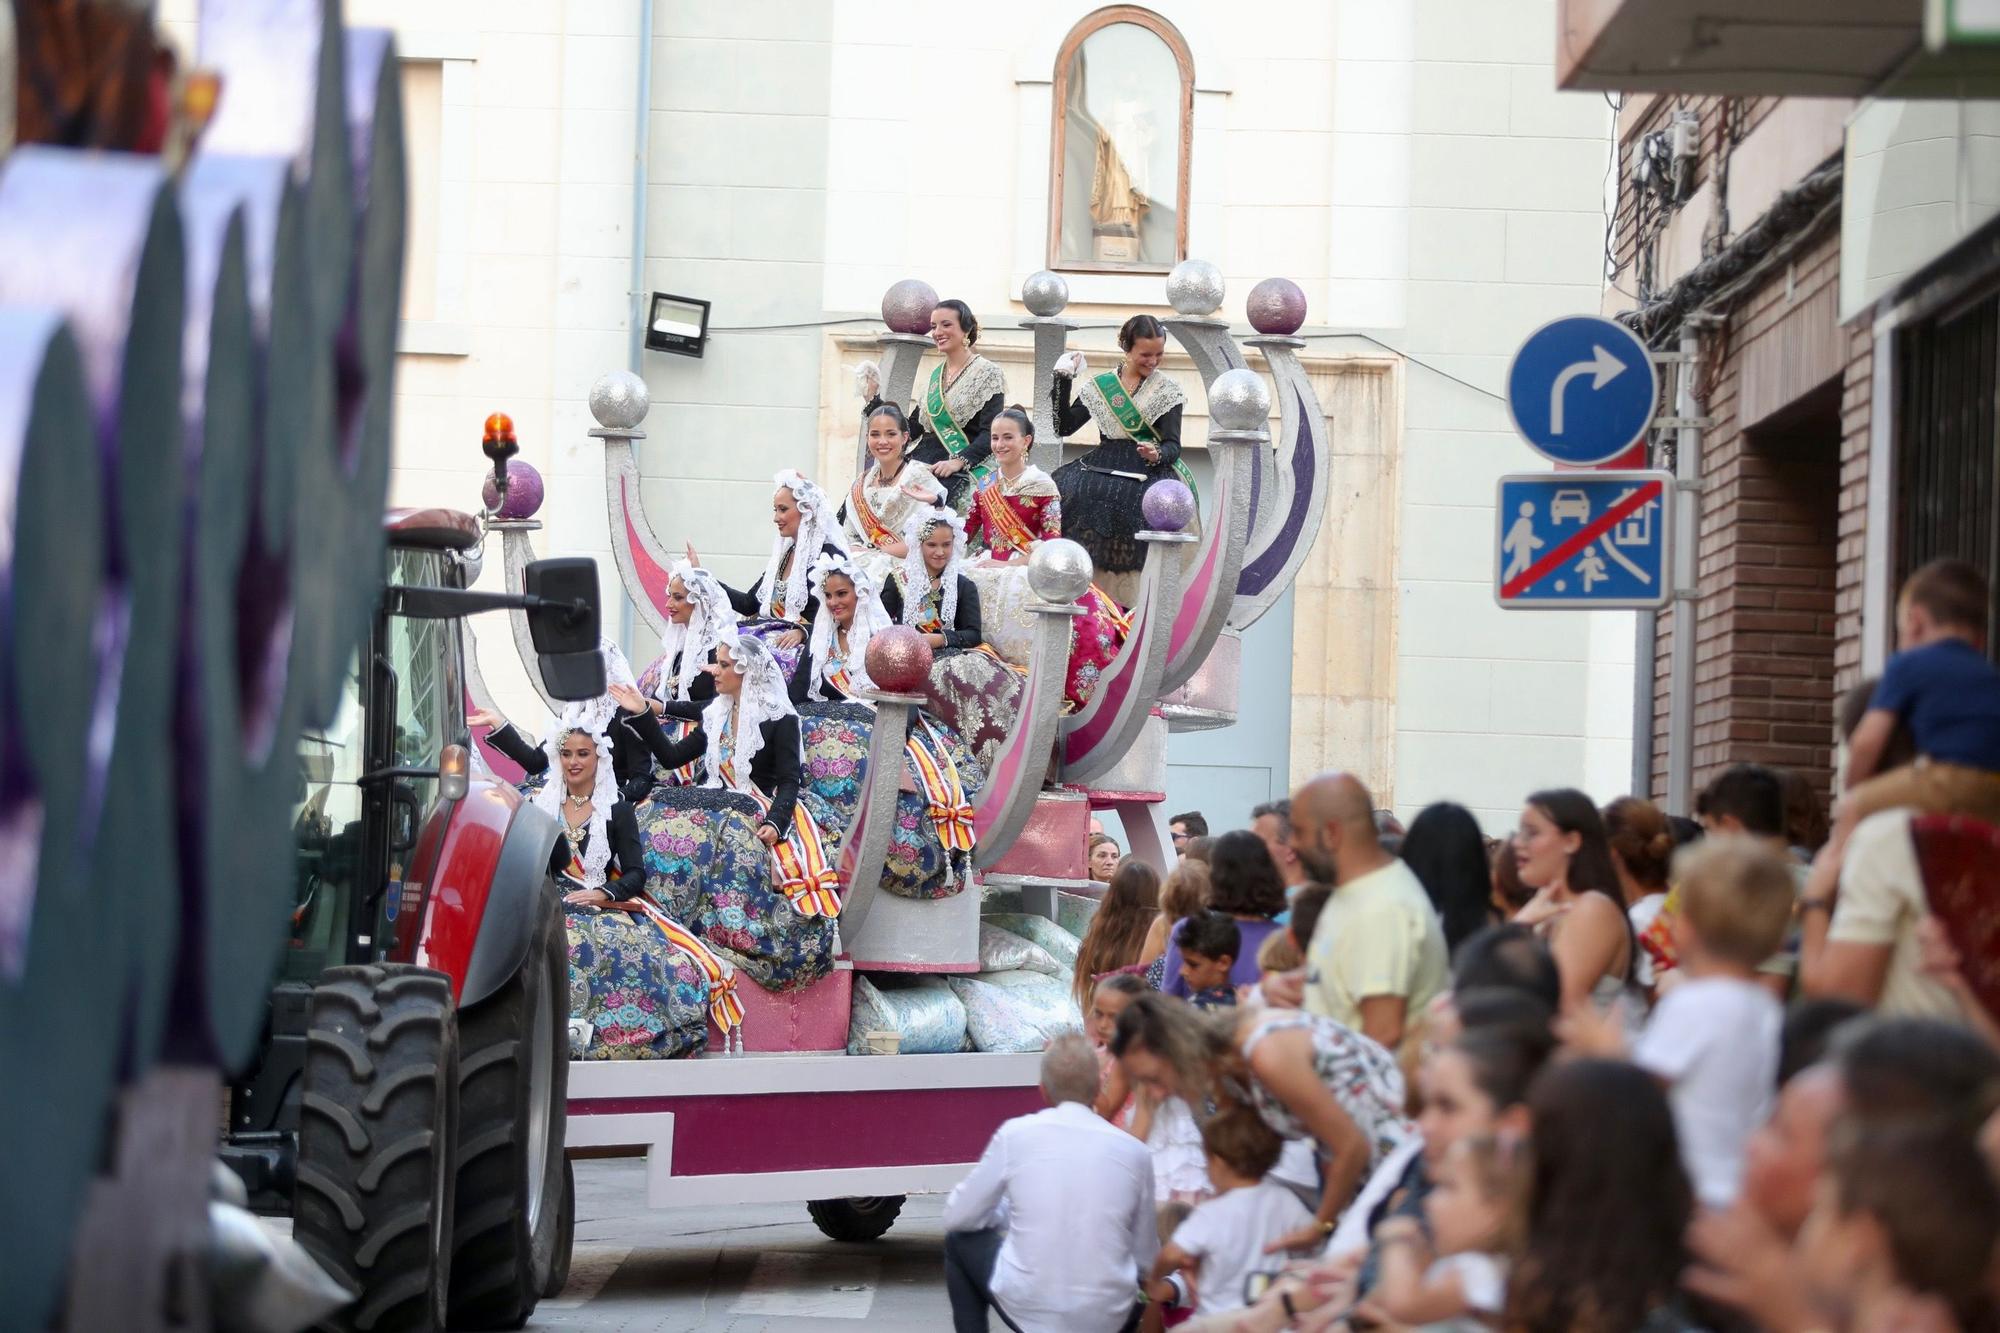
x=1409, y=164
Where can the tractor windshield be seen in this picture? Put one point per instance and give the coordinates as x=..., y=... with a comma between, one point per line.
x=359, y=816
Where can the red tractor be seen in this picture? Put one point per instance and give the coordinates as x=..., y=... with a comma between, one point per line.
x=407, y=1105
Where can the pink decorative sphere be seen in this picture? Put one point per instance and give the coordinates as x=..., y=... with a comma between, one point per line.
x=524, y=491
x=907, y=306
x=1276, y=306
x=1168, y=505
x=899, y=660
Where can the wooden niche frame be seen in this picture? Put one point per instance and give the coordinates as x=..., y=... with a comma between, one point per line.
x=1092, y=23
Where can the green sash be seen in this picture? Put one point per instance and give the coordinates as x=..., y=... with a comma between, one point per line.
x=948, y=431
x=1135, y=425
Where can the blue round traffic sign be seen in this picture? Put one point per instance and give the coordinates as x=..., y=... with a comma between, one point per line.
x=1582, y=390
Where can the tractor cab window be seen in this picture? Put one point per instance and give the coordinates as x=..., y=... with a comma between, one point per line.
x=401, y=703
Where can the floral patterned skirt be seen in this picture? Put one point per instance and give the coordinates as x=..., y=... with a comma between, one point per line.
x=978, y=696
x=632, y=995
x=836, y=740
x=1004, y=595
x=706, y=868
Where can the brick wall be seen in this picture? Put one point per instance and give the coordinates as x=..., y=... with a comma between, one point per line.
x=1857, y=419
x=1765, y=642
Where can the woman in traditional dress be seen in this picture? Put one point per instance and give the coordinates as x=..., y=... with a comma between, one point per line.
x=834, y=695
x=678, y=685
x=631, y=733
x=1138, y=414
x=641, y=985
x=737, y=858
x=884, y=497
x=931, y=593
x=834, y=665
x=1016, y=510
x=806, y=525
x=955, y=410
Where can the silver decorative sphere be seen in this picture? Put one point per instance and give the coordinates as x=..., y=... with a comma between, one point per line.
x=1045, y=293
x=1195, y=287
x=899, y=660
x=620, y=400
x=1168, y=505
x=1060, y=571
x=1276, y=306
x=1238, y=400
x=907, y=306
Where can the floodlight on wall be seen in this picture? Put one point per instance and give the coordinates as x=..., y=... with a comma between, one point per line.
x=677, y=324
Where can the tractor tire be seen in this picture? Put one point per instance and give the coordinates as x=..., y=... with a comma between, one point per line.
x=856, y=1221
x=377, y=1124
x=513, y=1091
x=558, y=1277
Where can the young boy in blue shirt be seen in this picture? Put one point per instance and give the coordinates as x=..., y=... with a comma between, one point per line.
x=1944, y=692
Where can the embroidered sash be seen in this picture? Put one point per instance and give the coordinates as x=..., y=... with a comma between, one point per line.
x=805, y=875
x=943, y=792
x=723, y=1005
x=1135, y=425
x=836, y=676
x=688, y=774
x=864, y=513
x=947, y=429
x=1002, y=519
x=1006, y=522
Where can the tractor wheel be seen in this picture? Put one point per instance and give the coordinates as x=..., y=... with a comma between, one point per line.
x=513, y=1089
x=856, y=1220
x=377, y=1121
x=558, y=1277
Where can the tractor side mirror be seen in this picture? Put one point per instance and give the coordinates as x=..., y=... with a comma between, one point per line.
x=563, y=622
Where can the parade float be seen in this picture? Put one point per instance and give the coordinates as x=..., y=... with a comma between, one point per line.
x=839, y=1054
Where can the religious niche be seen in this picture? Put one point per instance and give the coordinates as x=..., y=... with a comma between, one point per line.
x=1124, y=90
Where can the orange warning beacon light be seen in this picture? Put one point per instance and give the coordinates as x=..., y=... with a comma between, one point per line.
x=500, y=445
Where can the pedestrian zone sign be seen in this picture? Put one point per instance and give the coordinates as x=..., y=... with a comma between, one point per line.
x=1583, y=539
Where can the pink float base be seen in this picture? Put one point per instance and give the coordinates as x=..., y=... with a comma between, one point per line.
x=1051, y=845
x=927, y=969
x=795, y=1022
x=820, y=1131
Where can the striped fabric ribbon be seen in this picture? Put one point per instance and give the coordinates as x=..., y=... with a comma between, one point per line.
x=949, y=810
x=806, y=876
x=723, y=1005
x=688, y=774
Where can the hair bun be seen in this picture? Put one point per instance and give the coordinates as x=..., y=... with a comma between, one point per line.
x=1661, y=844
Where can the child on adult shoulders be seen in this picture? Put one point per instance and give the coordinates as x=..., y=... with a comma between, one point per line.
x=1219, y=1250
x=1713, y=1040
x=1210, y=943
x=1941, y=689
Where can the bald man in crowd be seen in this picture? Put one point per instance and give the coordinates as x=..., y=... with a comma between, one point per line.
x=1377, y=956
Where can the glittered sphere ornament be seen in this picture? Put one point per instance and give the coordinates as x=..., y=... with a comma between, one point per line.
x=1195, y=287
x=1238, y=400
x=1276, y=306
x=1059, y=571
x=899, y=660
x=1168, y=505
x=907, y=306
x=620, y=400
x=1045, y=293
x=525, y=492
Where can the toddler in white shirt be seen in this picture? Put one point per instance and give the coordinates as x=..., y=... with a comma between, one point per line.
x=1221, y=1246
x=1713, y=1039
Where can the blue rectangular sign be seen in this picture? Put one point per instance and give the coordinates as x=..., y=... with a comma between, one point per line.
x=1583, y=539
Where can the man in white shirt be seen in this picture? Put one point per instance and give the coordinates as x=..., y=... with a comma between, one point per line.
x=1377, y=955
x=1055, y=1224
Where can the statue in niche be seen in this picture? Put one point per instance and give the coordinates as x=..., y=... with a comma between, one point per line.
x=1118, y=183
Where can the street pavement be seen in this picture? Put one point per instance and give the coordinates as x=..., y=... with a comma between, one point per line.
x=765, y=1266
